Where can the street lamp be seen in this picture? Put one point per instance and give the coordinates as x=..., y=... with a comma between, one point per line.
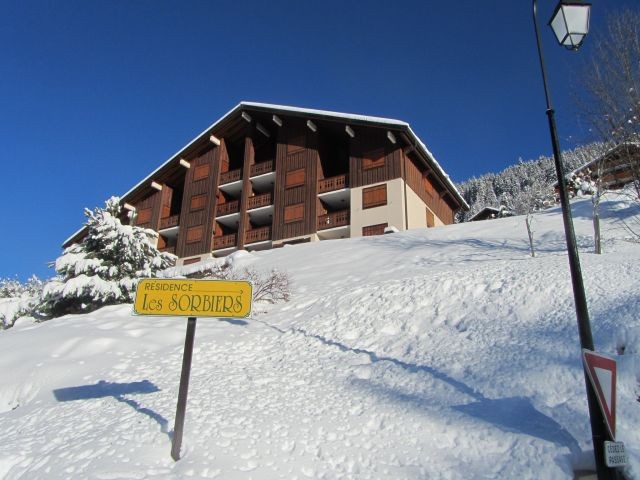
x=570, y=23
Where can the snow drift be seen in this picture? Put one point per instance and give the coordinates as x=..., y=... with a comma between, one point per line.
x=439, y=353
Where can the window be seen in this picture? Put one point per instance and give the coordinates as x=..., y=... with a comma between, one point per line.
x=144, y=216
x=373, y=159
x=294, y=178
x=294, y=213
x=194, y=234
x=374, y=229
x=431, y=221
x=200, y=172
x=374, y=196
x=189, y=261
x=198, y=202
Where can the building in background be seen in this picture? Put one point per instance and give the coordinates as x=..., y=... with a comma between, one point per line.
x=264, y=176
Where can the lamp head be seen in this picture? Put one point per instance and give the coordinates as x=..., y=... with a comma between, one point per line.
x=570, y=22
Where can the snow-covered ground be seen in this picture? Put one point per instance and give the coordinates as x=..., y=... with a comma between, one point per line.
x=440, y=353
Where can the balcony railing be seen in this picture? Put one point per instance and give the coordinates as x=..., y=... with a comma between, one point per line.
x=259, y=201
x=332, y=220
x=169, y=222
x=261, y=168
x=227, y=208
x=332, y=183
x=224, y=241
x=258, y=235
x=230, y=176
x=169, y=250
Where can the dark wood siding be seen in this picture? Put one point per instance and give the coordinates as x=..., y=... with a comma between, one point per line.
x=248, y=160
x=166, y=196
x=373, y=159
x=296, y=159
x=148, y=211
x=430, y=191
x=196, y=226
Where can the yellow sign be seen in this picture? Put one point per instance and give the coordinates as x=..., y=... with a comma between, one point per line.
x=193, y=298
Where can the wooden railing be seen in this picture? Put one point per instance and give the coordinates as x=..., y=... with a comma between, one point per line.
x=261, y=168
x=230, y=176
x=224, y=241
x=169, y=250
x=332, y=183
x=227, y=208
x=332, y=220
x=169, y=222
x=258, y=235
x=259, y=201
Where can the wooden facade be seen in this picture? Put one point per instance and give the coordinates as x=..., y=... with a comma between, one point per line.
x=265, y=175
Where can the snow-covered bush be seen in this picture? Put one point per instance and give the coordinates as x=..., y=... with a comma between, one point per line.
x=105, y=267
x=269, y=287
x=18, y=299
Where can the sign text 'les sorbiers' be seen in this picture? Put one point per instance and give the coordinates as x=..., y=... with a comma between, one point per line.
x=199, y=298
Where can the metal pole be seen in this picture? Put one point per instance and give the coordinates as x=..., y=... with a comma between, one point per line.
x=184, y=389
x=598, y=427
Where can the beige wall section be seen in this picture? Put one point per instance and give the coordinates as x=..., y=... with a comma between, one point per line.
x=392, y=213
x=417, y=211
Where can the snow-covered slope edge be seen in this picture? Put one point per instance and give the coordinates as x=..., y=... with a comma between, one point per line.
x=443, y=353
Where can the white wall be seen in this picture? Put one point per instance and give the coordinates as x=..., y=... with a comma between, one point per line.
x=392, y=213
x=417, y=211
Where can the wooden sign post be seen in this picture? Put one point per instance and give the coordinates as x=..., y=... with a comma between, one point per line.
x=192, y=299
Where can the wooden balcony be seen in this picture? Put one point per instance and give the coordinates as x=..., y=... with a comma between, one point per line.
x=169, y=222
x=259, y=201
x=171, y=250
x=230, y=176
x=261, y=168
x=332, y=183
x=333, y=220
x=228, y=208
x=224, y=241
x=258, y=235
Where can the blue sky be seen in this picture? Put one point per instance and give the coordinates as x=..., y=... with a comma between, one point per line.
x=95, y=95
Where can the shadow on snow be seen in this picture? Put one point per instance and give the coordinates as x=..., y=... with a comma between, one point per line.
x=104, y=389
x=514, y=414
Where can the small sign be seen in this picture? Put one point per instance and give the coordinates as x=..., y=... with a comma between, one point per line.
x=601, y=370
x=615, y=455
x=193, y=298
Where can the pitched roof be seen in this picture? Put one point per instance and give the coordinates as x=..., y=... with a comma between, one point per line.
x=350, y=118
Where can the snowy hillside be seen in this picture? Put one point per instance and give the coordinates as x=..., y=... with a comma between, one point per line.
x=443, y=353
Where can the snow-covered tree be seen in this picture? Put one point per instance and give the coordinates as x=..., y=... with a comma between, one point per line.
x=14, y=288
x=105, y=266
x=524, y=187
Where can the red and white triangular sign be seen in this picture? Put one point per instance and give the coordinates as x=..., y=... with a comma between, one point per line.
x=602, y=373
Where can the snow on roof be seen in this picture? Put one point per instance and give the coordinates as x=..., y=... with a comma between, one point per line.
x=368, y=119
x=309, y=111
x=610, y=151
x=327, y=113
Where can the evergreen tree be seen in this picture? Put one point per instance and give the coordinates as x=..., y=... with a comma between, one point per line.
x=525, y=187
x=105, y=267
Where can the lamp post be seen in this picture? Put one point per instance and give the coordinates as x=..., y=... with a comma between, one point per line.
x=570, y=23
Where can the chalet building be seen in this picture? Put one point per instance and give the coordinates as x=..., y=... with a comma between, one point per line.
x=487, y=213
x=264, y=176
x=617, y=167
